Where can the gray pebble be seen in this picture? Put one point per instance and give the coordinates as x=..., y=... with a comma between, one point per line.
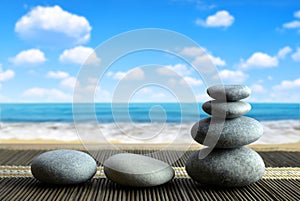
x=63, y=167
x=137, y=170
x=230, y=92
x=226, y=167
x=236, y=132
x=228, y=110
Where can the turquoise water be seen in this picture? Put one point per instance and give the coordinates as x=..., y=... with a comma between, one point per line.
x=138, y=112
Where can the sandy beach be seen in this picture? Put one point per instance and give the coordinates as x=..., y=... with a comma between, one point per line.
x=275, y=132
x=52, y=144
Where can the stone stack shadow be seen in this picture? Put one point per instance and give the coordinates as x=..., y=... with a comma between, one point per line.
x=230, y=163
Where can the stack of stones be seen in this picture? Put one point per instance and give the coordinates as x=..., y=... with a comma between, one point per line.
x=229, y=163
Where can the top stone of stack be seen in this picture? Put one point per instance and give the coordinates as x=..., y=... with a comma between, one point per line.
x=230, y=92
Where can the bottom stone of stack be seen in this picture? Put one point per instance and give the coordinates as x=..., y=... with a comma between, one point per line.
x=226, y=167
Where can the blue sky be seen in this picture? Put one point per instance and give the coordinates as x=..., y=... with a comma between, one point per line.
x=252, y=42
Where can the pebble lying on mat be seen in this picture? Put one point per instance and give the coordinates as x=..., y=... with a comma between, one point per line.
x=137, y=170
x=63, y=167
x=229, y=164
x=230, y=167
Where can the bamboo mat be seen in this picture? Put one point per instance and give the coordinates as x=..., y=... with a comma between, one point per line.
x=176, y=190
x=271, y=159
x=280, y=182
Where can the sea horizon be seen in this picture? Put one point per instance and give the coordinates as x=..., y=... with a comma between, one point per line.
x=106, y=112
x=139, y=102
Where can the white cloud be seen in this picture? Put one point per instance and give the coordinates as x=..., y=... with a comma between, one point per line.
x=173, y=70
x=172, y=82
x=91, y=87
x=297, y=14
x=145, y=90
x=295, y=24
x=109, y=74
x=288, y=84
x=181, y=69
x=55, y=23
x=6, y=75
x=119, y=75
x=47, y=94
x=205, y=62
x=159, y=95
x=193, y=51
x=292, y=25
x=286, y=91
x=257, y=88
x=57, y=74
x=86, y=89
x=79, y=55
x=29, y=57
x=219, y=19
x=191, y=81
x=35, y=92
x=199, y=56
x=217, y=61
x=296, y=55
x=260, y=60
x=102, y=95
x=68, y=82
x=283, y=52
x=134, y=74
x=233, y=76
x=92, y=80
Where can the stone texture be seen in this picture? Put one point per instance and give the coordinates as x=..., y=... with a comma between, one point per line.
x=137, y=170
x=63, y=167
x=228, y=110
x=231, y=92
x=226, y=167
x=236, y=132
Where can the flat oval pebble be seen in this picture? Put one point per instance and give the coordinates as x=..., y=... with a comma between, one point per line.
x=236, y=132
x=137, y=170
x=226, y=109
x=230, y=92
x=226, y=167
x=63, y=167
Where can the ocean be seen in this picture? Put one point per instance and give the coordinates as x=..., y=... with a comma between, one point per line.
x=139, y=122
x=139, y=112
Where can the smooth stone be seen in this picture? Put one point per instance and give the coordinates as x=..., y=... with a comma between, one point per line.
x=230, y=92
x=137, y=170
x=235, y=132
x=226, y=109
x=63, y=167
x=226, y=167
